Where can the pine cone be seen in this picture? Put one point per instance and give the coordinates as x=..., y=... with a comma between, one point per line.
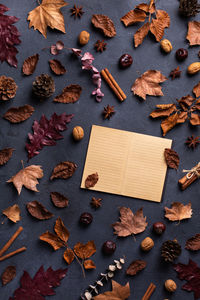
x=170, y=250
x=8, y=88
x=43, y=86
x=189, y=8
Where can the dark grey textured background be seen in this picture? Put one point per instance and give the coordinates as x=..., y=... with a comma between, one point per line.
x=131, y=115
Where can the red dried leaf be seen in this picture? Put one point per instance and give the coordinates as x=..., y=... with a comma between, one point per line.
x=91, y=180
x=19, y=114
x=193, y=243
x=64, y=170
x=59, y=200
x=8, y=275
x=105, y=24
x=70, y=94
x=5, y=155
x=57, y=67
x=135, y=267
x=46, y=132
x=40, y=286
x=30, y=64
x=9, y=37
x=171, y=158
x=38, y=211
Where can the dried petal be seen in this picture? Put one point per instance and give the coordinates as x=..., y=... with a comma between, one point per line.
x=30, y=64
x=59, y=200
x=105, y=24
x=178, y=212
x=89, y=264
x=19, y=114
x=193, y=34
x=64, y=170
x=52, y=240
x=193, y=243
x=141, y=33
x=68, y=256
x=133, y=16
x=91, y=180
x=5, y=155
x=61, y=231
x=8, y=274
x=12, y=213
x=135, y=267
x=171, y=158
x=84, y=251
x=57, y=67
x=38, y=211
x=70, y=94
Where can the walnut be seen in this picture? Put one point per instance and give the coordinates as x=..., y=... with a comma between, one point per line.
x=147, y=244
x=170, y=285
x=166, y=46
x=84, y=37
x=78, y=133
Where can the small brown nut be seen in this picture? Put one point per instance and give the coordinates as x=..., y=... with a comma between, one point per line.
x=170, y=285
x=166, y=46
x=193, y=68
x=84, y=37
x=147, y=244
x=78, y=133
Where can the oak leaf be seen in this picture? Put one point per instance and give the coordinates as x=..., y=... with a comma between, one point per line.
x=119, y=292
x=64, y=170
x=105, y=24
x=130, y=223
x=27, y=177
x=196, y=89
x=193, y=243
x=8, y=275
x=70, y=94
x=172, y=158
x=59, y=200
x=12, y=213
x=178, y=212
x=29, y=64
x=57, y=67
x=61, y=231
x=38, y=211
x=193, y=34
x=159, y=24
x=52, y=239
x=19, y=114
x=47, y=14
x=84, y=251
x=134, y=16
x=91, y=180
x=148, y=84
x=68, y=256
x=5, y=155
x=135, y=267
x=141, y=33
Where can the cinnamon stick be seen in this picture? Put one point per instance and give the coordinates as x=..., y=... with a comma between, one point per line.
x=11, y=240
x=113, y=84
x=184, y=182
x=12, y=253
x=149, y=291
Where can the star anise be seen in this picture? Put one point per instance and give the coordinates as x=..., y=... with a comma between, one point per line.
x=175, y=73
x=192, y=141
x=108, y=111
x=77, y=11
x=96, y=202
x=100, y=46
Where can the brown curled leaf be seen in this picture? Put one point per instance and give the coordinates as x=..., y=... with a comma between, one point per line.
x=52, y=239
x=135, y=267
x=38, y=211
x=91, y=180
x=19, y=114
x=59, y=200
x=193, y=243
x=159, y=24
x=185, y=102
x=30, y=64
x=193, y=34
x=68, y=256
x=196, y=90
x=171, y=158
x=169, y=123
x=8, y=275
x=133, y=16
x=89, y=264
x=105, y=24
x=5, y=155
x=163, y=110
x=64, y=170
x=70, y=94
x=140, y=34
x=57, y=67
x=178, y=211
x=194, y=119
x=61, y=231
x=84, y=251
x=12, y=213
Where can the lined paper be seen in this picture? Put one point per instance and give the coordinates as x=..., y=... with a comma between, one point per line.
x=128, y=163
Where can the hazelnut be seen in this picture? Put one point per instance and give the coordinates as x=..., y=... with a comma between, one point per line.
x=170, y=285
x=193, y=68
x=147, y=244
x=78, y=133
x=84, y=37
x=166, y=46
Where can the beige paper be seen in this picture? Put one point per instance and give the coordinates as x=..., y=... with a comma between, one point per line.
x=128, y=163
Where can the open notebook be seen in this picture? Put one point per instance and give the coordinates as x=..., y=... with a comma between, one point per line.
x=128, y=163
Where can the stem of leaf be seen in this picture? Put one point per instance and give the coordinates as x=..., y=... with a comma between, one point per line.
x=77, y=259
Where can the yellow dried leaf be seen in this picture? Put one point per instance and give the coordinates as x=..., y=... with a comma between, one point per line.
x=84, y=251
x=68, y=256
x=193, y=34
x=159, y=24
x=12, y=213
x=140, y=34
x=178, y=212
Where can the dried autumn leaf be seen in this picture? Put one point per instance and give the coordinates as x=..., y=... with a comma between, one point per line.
x=171, y=158
x=133, y=16
x=196, y=89
x=91, y=180
x=89, y=264
x=141, y=33
x=38, y=211
x=19, y=114
x=59, y=200
x=61, y=230
x=194, y=119
x=5, y=155
x=52, y=239
x=135, y=267
x=193, y=243
x=169, y=123
x=12, y=213
x=178, y=212
x=193, y=34
x=129, y=223
x=47, y=14
x=185, y=102
x=119, y=292
x=30, y=64
x=57, y=67
x=163, y=110
x=159, y=24
x=28, y=177
x=8, y=275
x=70, y=94
x=148, y=84
x=84, y=251
x=68, y=256
x=64, y=170
x=105, y=24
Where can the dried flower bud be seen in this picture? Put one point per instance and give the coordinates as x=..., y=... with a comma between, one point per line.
x=166, y=46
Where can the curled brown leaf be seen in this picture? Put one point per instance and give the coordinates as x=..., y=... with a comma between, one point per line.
x=38, y=211
x=105, y=24
x=89, y=264
x=61, y=231
x=8, y=275
x=193, y=243
x=19, y=114
x=91, y=180
x=163, y=110
x=57, y=67
x=178, y=211
x=171, y=158
x=193, y=34
x=59, y=200
x=133, y=16
x=159, y=24
x=84, y=251
x=12, y=213
x=52, y=239
x=68, y=256
x=64, y=170
x=5, y=155
x=196, y=89
x=30, y=64
x=135, y=267
x=70, y=94
x=141, y=33
x=194, y=119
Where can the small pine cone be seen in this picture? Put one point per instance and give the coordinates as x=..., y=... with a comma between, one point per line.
x=8, y=88
x=43, y=86
x=170, y=250
x=189, y=8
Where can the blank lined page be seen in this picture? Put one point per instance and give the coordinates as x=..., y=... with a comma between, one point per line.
x=127, y=163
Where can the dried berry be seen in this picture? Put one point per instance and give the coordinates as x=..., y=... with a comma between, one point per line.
x=86, y=219
x=125, y=61
x=181, y=54
x=109, y=247
x=159, y=227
